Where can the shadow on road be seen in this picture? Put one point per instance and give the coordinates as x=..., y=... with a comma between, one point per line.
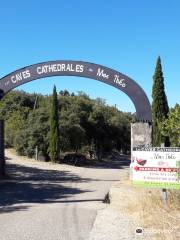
x=122, y=162
x=28, y=185
x=32, y=185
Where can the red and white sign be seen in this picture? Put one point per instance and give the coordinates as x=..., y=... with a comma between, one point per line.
x=156, y=167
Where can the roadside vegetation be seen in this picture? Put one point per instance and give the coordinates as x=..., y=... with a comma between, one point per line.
x=87, y=127
x=166, y=122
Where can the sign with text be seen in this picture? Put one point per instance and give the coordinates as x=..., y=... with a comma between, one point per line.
x=80, y=69
x=156, y=167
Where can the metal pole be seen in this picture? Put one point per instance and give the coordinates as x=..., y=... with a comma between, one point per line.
x=2, y=155
x=36, y=153
x=164, y=194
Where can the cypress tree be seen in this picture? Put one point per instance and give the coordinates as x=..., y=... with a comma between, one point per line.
x=160, y=107
x=54, y=144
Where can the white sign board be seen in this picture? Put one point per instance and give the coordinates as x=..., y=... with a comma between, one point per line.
x=156, y=167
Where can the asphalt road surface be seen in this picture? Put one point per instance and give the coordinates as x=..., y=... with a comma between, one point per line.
x=43, y=201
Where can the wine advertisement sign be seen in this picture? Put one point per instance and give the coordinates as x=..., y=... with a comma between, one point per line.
x=156, y=167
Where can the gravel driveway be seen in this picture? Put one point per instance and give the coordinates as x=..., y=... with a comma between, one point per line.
x=44, y=201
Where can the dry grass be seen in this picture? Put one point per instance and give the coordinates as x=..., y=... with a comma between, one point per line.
x=159, y=220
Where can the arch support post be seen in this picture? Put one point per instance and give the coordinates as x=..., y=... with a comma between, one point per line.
x=141, y=134
x=2, y=155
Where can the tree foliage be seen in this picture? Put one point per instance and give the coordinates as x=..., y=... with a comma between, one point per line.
x=159, y=105
x=171, y=126
x=54, y=144
x=85, y=125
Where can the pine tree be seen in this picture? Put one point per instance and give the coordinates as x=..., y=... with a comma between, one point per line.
x=54, y=145
x=160, y=107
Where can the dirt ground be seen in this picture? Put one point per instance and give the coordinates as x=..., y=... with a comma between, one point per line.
x=143, y=209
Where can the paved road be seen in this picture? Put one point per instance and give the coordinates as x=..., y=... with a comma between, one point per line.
x=42, y=201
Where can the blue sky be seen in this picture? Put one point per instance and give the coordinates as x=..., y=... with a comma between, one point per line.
x=126, y=35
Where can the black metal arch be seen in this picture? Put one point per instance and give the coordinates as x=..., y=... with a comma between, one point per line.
x=81, y=69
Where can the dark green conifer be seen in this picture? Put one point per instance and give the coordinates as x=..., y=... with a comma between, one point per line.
x=160, y=107
x=54, y=143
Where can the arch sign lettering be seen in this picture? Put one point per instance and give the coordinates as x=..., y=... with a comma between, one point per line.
x=81, y=69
